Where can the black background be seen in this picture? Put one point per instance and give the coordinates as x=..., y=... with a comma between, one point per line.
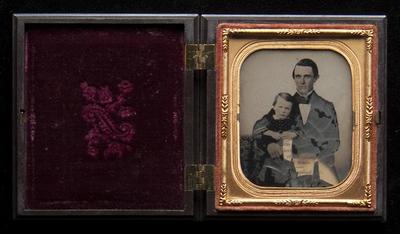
x=328, y=7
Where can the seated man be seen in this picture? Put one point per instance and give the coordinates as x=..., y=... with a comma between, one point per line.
x=317, y=131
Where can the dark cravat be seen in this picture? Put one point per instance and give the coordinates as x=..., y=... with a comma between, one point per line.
x=302, y=100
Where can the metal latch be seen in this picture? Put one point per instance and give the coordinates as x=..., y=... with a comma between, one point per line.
x=199, y=177
x=377, y=117
x=200, y=56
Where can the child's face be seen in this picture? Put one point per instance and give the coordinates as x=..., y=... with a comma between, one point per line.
x=282, y=108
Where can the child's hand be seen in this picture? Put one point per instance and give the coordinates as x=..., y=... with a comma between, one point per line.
x=275, y=135
x=289, y=135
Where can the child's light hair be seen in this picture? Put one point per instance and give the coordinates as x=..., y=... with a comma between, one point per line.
x=284, y=96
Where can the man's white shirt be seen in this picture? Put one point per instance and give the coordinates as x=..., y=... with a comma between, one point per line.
x=305, y=108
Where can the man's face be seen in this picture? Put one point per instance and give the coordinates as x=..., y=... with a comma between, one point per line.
x=304, y=79
x=282, y=108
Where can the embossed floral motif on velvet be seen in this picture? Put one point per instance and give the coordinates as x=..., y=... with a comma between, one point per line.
x=111, y=120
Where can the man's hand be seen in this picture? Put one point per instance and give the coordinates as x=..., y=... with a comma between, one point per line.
x=307, y=155
x=275, y=135
x=274, y=150
x=289, y=135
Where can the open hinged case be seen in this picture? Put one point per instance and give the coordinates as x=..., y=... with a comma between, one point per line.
x=200, y=116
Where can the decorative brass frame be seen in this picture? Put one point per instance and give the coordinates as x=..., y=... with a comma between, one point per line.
x=358, y=45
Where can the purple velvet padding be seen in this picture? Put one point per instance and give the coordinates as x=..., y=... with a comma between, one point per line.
x=104, y=108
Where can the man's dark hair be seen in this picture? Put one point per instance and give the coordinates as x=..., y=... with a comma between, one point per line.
x=307, y=63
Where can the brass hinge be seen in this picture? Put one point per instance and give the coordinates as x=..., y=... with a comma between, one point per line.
x=199, y=177
x=200, y=56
